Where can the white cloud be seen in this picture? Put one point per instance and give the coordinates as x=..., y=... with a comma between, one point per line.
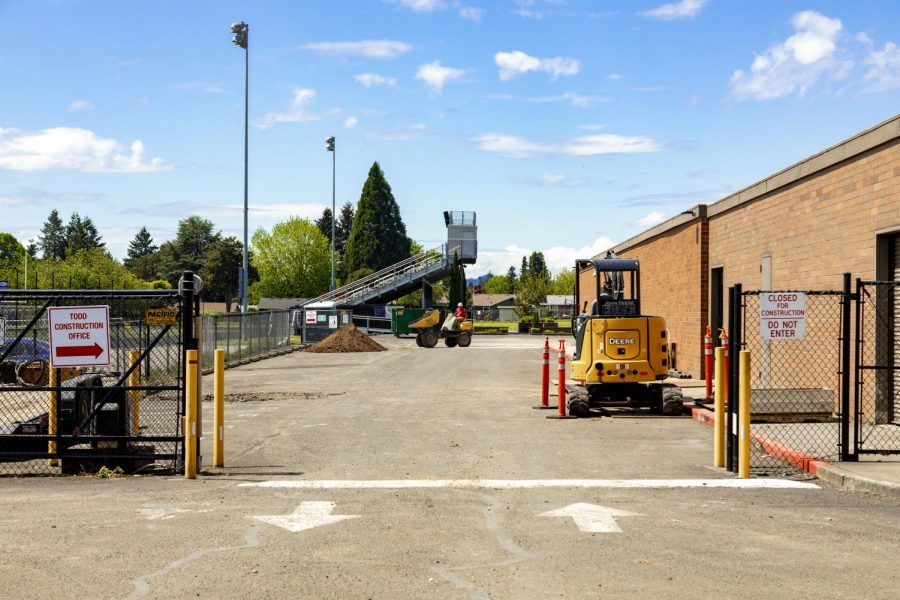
x=425, y=6
x=71, y=149
x=471, y=14
x=654, y=218
x=435, y=75
x=350, y=122
x=614, y=77
x=269, y=212
x=297, y=112
x=884, y=69
x=676, y=10
x=380, y=49
x=372, y=79
x=593, y=126
x=590, y=145
x=80, y=105
x=418, y=127
x=795, y=64
x=517, y=63
x=557, y=258
x=556, y=180
x=577, y=100
x=421, y=5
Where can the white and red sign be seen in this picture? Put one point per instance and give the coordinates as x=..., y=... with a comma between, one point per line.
x=79, y=336
x=782, y=315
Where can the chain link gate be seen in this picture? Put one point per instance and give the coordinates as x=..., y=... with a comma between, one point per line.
x=797, y=385
x=125, y=413
x=876, y=414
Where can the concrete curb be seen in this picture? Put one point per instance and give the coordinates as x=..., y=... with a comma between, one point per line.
x=832, y=474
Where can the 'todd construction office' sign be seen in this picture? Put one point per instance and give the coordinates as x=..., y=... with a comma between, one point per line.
x=782, y=315
x=79, y=336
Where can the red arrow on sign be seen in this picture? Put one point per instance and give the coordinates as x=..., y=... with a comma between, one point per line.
x=69, y=351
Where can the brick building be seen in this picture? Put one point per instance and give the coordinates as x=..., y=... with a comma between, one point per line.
x=801, y=229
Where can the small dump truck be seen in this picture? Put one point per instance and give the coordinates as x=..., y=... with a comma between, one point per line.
x=434, y=325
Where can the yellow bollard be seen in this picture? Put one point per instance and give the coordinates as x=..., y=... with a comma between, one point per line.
x=53, y=415
x=219, y=409
x=744, y=409
x=719, y=426
x=190, y=416
x=134, y=380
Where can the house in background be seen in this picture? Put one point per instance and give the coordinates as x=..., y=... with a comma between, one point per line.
x=280, y=303
x=494, y=307
x=559, y=306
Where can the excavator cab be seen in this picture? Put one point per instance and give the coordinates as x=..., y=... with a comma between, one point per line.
x=621, y=355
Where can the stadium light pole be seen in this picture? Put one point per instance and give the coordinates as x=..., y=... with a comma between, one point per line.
x=241, y=38
x=329, y=146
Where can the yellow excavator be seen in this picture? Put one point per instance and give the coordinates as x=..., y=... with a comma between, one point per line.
x=621, y=355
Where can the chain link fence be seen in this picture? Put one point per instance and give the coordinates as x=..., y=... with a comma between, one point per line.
x=245, y=337
x=795, y=384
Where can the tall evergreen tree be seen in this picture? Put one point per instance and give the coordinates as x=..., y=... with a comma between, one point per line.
x=524, y=270
x=81, y=234
x=537, y=265
x=344, y=227
x=52, y=240
x=511, y=280
x=456, y=293
x=324, y=223
x=378, y=237
x=141, y=245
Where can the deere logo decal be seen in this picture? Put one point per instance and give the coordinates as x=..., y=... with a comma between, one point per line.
x=622, y=341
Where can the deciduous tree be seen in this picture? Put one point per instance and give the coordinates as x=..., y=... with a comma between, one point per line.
x=293, y=261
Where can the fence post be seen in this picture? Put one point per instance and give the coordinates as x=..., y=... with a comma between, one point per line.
x=708, y=356
x=729, y=422
x=135, y=381
x=857, y=359
x=219, y=409
x=190, y=426
x=846, y=455
x=744, y=420
x=53, y=415
x=735, y=342
x=719, y=424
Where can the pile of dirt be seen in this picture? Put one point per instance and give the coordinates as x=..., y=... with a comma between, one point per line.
x=347, y=339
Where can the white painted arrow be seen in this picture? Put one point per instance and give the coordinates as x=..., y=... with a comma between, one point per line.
x=306, y=516
x=592, y=518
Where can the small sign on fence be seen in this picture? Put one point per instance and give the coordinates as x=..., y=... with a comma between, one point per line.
x=4, y=284
x=782, y=315
x=79, y=336
x=161, y=316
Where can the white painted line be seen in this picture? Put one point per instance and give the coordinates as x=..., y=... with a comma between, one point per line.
x=306, y=516
x=592, y=518
x=394, y=484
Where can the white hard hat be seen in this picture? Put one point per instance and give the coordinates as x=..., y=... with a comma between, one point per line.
x=460, y=304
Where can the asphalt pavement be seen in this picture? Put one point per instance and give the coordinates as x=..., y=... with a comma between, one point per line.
x=427, y=473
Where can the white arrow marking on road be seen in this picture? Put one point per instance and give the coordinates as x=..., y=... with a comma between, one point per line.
x=592, y=518
x=306, y=516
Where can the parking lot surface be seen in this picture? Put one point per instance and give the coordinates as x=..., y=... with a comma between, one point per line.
x=426, y=473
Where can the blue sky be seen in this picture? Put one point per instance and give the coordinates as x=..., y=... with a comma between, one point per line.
x=567, y=125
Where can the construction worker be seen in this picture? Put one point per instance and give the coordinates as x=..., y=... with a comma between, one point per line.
x=461, y=313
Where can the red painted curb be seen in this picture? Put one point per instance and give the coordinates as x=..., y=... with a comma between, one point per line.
x=801, y=460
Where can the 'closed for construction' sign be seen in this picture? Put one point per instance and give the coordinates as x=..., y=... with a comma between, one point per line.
x=782, y=315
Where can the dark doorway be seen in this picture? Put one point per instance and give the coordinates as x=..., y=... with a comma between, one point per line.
x=716, y=301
